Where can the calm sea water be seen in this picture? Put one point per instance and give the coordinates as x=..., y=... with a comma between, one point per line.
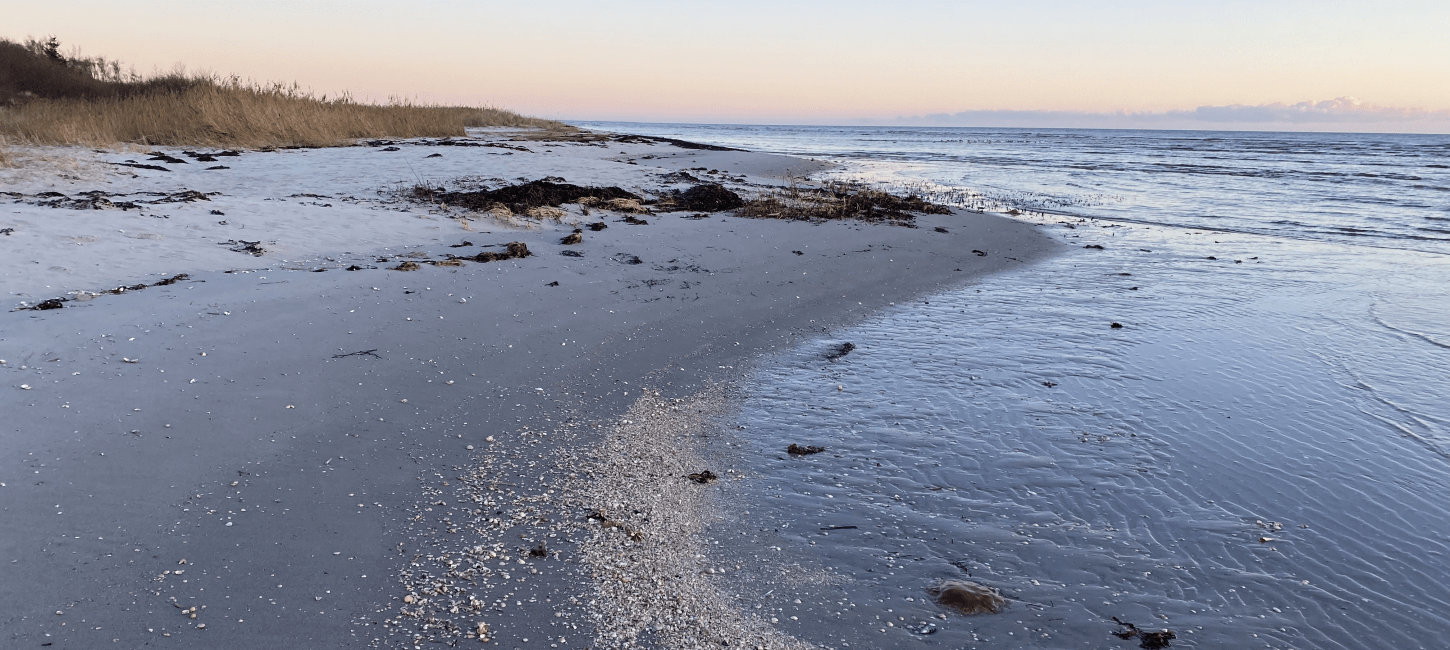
x=1258, y=458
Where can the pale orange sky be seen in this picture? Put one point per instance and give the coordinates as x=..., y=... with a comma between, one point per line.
x=788, y=61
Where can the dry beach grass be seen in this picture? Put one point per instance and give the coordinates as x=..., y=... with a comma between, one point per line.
x=53, y=100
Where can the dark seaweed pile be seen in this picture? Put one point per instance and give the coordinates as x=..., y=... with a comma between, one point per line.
x=523, y=196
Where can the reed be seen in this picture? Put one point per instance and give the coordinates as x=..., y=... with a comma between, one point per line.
x=52, y=100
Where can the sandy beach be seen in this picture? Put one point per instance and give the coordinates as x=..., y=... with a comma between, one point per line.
x=275, y=450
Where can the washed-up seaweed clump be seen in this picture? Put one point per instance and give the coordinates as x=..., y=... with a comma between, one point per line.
x=59, y=303
x=522, y=197
x=803, y=450
x=1148, y=640
x=683, y=144
x=839, y=201
x=514, y=251
x=708, y=197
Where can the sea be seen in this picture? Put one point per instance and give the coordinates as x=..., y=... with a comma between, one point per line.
x=1257, y=455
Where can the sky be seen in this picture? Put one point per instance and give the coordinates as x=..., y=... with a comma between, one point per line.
x=1268, y=64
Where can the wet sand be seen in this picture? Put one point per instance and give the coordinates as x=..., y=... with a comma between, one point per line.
x=313, y=444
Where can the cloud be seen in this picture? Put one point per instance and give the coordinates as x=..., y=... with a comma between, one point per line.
x=1342, y=113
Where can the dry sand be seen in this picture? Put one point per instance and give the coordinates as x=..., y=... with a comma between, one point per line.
x=392, y=496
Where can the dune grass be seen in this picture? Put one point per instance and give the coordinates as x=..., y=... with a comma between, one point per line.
x=50, y=99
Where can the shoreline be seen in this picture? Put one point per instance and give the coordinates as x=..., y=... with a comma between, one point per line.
x=287, y=420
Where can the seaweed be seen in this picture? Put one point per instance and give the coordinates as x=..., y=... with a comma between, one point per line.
x=840, y=350
x=838, y=201
x=798, y=450
x=702, y=477
x=243, y=246
x=572, y=238
x=521, y=197
x=516, y=250
x=710, y=197
x=1147, y=640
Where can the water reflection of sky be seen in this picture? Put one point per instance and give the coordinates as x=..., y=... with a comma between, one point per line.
x=1090, y=472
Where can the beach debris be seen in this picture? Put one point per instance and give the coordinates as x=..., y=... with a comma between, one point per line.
x=569, y=253
x=372, y=353
x=172, y=280
x=514, y=250
x=1148, y=640
x=158, y=168
x=708, y=197
x=1049, y=384
x=184, y=196
x=702, y=477
x=626, y=205
x=1094, y=246
x=407, y=266
x=465, y=243
x=434, y=155
x=544, y=212
x=629, y=138
x=243, y=246
x=635, y=221
x=841, y=350
x=979, y=253
x=51, y=303
x=7, y=231
x=1116, y=326
x=576, y=237
x=598, y=226
x=968, y=598
x=1211, y=257
x=799, y=252
x=798, y=450
x=553, y=284
x=941, y=230
x=170, y=160
x=838, y=200
x=216, y=167
x=390, y=149
x=539, y=551
x=354, y=267
x=520, y=198
x=839, y=527
x=93, y=200
x=626, y=258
